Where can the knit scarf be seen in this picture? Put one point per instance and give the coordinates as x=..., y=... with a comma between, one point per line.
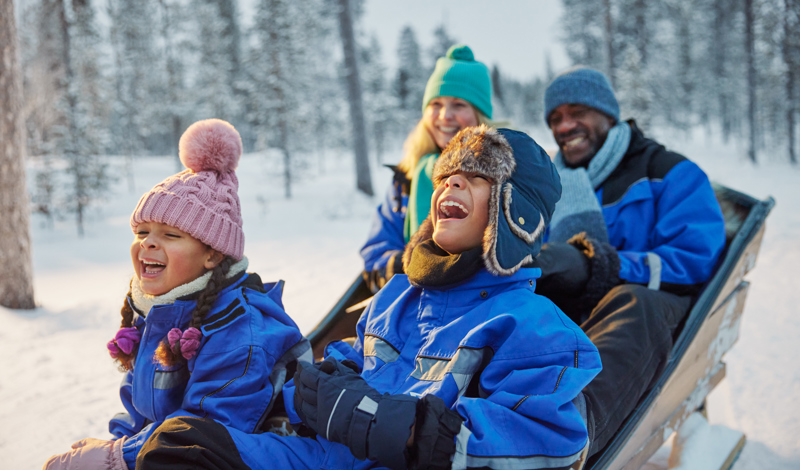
x=431, y=266
x=578, y=210
x=419, y=198
x=144, y=302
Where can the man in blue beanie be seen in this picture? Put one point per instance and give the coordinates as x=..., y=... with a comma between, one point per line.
x=635, y=235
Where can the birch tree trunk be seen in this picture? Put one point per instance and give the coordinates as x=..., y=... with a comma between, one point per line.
x=16, y=274
x=363, y=178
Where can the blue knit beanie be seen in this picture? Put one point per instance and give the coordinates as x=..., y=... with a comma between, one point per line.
x=581, y=85
x=458, y=74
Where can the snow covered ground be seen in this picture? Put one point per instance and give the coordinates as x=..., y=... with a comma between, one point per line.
x=58, y=384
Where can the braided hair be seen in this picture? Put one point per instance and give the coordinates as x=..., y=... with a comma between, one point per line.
x=126, y=360
x=170, y=356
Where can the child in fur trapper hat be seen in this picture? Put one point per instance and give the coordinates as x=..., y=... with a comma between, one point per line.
x=199, y=336
x=458, y=363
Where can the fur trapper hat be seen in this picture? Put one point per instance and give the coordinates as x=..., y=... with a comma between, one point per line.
x=525, y=189
x=202, y=200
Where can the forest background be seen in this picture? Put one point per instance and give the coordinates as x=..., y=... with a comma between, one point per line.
x=108, y=86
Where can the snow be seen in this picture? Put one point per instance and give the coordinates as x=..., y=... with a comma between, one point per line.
x=698, y=446
x=58, y=384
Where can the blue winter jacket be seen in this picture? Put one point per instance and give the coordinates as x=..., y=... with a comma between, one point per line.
x=238, y=371
x=386, y=238
x=506, y=359
x=662, y=217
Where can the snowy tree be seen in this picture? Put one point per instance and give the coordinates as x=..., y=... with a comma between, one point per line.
x=379, y=105
x=442, y=42
x=634, y=94
x=288, y=43
x=409, y=84
x=82, y=138
x=16, y=273
x=217, y=63
x=582, y=24
x=138, y=79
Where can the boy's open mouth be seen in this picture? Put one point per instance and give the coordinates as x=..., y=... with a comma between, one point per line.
x=152, y=267
x=449, y=209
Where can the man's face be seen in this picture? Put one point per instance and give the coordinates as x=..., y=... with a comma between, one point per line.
x=460, y=211
x=579, y=131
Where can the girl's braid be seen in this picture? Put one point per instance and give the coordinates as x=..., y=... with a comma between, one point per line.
x=126, y=360
x=171, y=355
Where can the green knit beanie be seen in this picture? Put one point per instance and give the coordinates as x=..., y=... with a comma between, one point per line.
x=461, y=76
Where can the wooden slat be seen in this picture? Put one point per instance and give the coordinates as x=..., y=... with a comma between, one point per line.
x=745, y=263
x=697, y=367
x=677, y=418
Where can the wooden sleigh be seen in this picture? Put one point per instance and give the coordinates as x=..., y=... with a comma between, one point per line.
x=695, y=366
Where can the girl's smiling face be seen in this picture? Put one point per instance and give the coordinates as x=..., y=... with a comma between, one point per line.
x=460, y=211
x=445, y=116
x=165, y=257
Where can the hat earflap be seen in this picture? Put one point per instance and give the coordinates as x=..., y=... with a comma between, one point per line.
x=525, y=240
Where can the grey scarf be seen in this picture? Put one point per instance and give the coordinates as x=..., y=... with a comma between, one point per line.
x=578, y=210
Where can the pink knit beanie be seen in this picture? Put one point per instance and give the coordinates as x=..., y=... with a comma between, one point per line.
x=202, y=200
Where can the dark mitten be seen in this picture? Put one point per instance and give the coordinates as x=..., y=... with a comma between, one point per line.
x=434, y=435
x=378, y=278
x=565, y=270
x=337, y=403
x=577, y=274
x=604, y=271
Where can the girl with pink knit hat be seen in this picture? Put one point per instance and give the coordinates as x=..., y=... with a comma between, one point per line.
x=199, y=336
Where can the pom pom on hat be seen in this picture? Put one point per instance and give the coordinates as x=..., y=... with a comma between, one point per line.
x=201, y=201
x=210, y=145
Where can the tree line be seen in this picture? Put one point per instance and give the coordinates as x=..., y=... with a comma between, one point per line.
x=732, y=64
x=126, y=77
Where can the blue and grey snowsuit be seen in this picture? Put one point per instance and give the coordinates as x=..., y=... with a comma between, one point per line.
x=238, y=371
x=383, y=250
x=507, y=360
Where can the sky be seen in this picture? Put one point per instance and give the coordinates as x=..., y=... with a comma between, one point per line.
x=516, y=35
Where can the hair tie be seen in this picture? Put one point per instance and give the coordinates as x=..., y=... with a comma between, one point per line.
x=188, y=340
x=124, y=341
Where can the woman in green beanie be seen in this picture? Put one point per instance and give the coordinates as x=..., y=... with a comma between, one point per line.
x=458, y=95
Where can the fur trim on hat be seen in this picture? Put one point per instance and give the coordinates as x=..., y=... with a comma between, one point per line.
x=480, y=149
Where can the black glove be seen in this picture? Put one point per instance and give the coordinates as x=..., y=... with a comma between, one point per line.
x=565, y=270
x=378, y=278
x=339, y=405
x=577, y=274
x=434, y=435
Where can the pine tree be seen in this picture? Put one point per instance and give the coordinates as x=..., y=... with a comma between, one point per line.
x=289, y=44
x=379, y=105
x=84, y=138
x=583, y=32
x=409, y=84
x=790, y=47
x=217, y=67
x=442, y=41
x=16, y=278
x=139, y=81
x=634, y=93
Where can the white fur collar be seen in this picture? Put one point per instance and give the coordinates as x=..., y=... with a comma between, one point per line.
x=144, y=302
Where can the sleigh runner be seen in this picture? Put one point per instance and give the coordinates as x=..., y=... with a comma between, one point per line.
x=695, y=366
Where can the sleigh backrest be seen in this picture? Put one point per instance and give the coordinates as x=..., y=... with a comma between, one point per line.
x=710, y=329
